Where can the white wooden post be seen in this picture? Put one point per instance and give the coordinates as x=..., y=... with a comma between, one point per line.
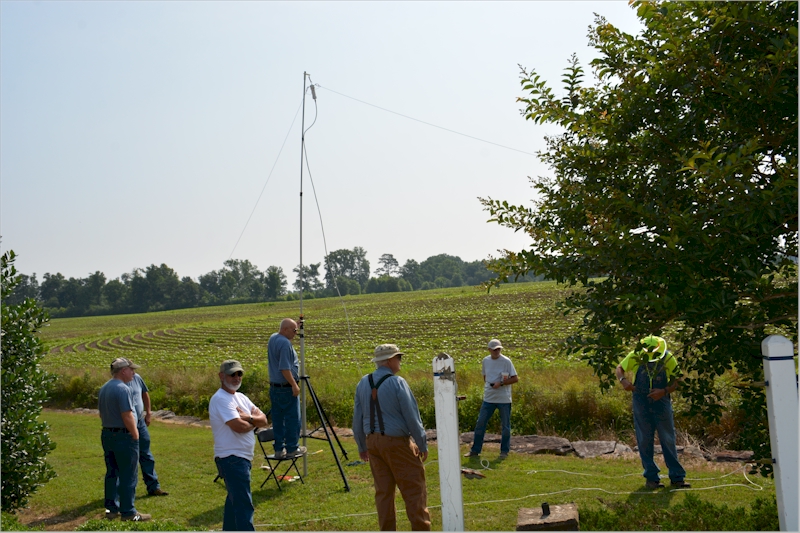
x=782, y=411
x=447, y=438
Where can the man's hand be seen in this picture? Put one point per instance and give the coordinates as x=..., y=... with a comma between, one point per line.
x=423, y=456
x=295, y=389
x=147, y=419
x=244, y=415
x=657, y=394
x=364, y=456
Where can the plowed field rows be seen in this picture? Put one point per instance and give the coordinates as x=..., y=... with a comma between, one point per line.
x=458, y=321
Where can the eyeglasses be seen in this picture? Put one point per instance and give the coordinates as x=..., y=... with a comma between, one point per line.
x=237, y=374
x=399, y=357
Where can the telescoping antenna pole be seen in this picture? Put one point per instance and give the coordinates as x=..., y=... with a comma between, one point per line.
x=304, y=378
x=302, y=334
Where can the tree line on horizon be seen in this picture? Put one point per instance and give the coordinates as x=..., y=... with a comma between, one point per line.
x=159, y=288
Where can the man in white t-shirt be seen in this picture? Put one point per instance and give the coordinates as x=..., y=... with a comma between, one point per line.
x=498, y=376
x=233, y=421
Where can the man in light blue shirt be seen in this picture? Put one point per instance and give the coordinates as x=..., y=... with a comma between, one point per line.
x=385, y=421
x=284, y=373
x=147, y=462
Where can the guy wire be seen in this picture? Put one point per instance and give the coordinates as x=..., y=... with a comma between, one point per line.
x=426, y=123
x=265, y=183
x=322, y=227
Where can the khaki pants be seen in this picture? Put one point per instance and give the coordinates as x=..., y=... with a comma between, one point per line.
x=395, y=461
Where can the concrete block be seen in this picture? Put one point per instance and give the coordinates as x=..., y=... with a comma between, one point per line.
x=561, y=518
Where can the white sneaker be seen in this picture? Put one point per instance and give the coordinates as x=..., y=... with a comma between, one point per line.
x=300, y=451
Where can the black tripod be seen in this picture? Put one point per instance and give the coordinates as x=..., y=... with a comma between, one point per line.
x=325, y=425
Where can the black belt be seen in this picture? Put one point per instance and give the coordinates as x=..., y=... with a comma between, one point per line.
x=280, y=384
x=115, y=430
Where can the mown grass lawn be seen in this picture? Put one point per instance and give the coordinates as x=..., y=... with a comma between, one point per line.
x=184, y=462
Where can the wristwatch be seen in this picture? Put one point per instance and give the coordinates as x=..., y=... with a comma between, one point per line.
x=251, y=420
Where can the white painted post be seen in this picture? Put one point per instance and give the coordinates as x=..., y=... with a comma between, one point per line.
x=447, y=438
x=782, y=411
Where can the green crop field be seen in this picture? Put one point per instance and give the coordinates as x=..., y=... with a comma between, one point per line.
x=180, y=352
x=339, y=333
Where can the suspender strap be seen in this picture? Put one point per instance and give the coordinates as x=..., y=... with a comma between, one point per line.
x=375, y=405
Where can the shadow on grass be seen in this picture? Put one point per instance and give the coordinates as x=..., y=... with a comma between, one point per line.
x=69, y=515
x=214, y=516
x=657, y=498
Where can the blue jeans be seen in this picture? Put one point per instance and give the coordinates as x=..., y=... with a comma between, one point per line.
x=121, y=454
x=285, y=418
x=487, y=410
x=238, y=515
x=649, y=417
x=146, y=460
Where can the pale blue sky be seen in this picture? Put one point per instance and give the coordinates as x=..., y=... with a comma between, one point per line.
x=134, y=133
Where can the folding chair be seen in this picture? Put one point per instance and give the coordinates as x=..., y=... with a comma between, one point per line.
x=267, y=435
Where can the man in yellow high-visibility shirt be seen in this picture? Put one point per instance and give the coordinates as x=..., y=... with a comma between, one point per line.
x=656, y=377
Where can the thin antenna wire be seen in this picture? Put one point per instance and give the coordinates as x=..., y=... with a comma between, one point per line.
x=322, y=227
x=265, y=183
x=325, y=245
x=426, y=123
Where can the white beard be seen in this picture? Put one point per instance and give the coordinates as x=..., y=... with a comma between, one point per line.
x=231, y=386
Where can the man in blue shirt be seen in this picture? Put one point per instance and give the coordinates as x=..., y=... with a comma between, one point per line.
x=141, y=401
x=284, y=372
x=385, y=421
x=120, y=439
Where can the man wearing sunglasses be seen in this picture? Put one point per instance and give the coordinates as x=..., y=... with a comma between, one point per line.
x=233, y=420
x=385, y=421
x=656, y=372
x=284, y=372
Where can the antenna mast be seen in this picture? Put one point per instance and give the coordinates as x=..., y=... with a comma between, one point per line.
x=303, y=427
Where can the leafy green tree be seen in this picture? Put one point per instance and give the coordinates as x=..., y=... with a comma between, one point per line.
x=675, y=178
x=410, y=273
x=25, y=441
x=274, y=282
x=50, y=288
x=311, y=281
x=115, y=294
x=348, y=286
x=248, y=279
x=388, y=266
x=28, y=287
x=351, y=264
x=188, y=293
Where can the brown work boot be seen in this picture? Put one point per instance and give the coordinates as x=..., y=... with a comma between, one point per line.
x=158, y=492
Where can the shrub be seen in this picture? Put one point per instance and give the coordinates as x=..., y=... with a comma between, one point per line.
x=693, y=514
x=25, y=442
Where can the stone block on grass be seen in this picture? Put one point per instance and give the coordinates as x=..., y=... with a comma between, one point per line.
x=561, y=518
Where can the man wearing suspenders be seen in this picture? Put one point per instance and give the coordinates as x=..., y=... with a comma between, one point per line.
x=390, y=436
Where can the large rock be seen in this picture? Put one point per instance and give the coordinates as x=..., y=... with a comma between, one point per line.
x=526, y=443
x=537, y=444
x=725, y=456
x=593, y=448
x=561, y=518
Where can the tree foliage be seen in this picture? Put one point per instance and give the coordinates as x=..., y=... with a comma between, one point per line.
x=25, y=441
x=351, y=264
x=675, y=179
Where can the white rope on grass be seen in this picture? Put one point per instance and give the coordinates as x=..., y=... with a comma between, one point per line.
x=565, y=491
